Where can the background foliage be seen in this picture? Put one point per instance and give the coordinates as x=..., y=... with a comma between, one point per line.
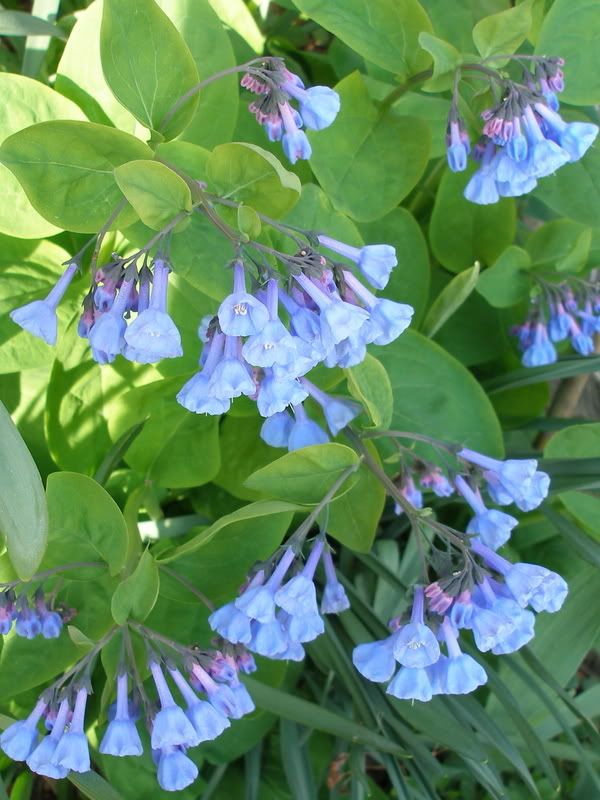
x=208, y=496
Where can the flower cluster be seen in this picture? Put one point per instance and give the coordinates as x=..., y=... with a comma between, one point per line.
x=524, y=136
x=421, y=476
x=276, y=87
x=275, y=618
x=212, y=695
x=488, y=594
x=567, y=310
x=29, y=620
x=331, y=317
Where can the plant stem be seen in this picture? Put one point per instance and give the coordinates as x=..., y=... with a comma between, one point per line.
x=397, y=93
x=189, y=586
x=41, y=576
x=104, y=230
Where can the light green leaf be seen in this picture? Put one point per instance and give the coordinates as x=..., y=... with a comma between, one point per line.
x=134, y=598
x=248, y=222
x=560, y=245
x=19, y=23
x=211, y=49
x=503, y=32
x=367, y=162
x=248, y=174
x=450, y=299
x=23, y=510
x=462, y=232
x=434, y=394
x=161, y=452
x=571, y=30
x=79, y=73
x=93, y=786
x=66, y=169
x=156, y=192
x=507, y=281
x=85, y=524
x=26, y=102
x=237, y=16
x=138, y=46
x=446, y=58
x=304, y=476
x=578, y=441
x=295, y=760
x=369, y=383
x=353, y=518
x=263, y=508
x=385, y=32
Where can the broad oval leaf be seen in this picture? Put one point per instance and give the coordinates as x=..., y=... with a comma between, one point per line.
x=156, y=192
x=370, y=384
x=66, y=169
x=251, y=175
x=24, y=103
x=367, y=162
x=139, y=46
x=507, y=281
x=23, y=509
x=134, y=598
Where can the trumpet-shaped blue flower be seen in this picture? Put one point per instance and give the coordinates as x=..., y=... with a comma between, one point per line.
x=40, y=760
x=241, y=314
x=295, y=142
x=121, y=737
x=375, y=261
x=205, y=719
x=305, y=432
x=511, y=481
x=459, y=673
x=170, y=727
x=334, y=599
x=492, y=526
x=231, y=623
x=457, y=147
x=175, y=769
x=541, y=351
x=276, y=429
x=411, y=683
x=258, y=600
x=19, y=739
x=319, y=105
x=276, y=393
x=416, y=644
x=375, y=660
x=107, y=337
x=39, y=317
x=72, y=751
x=338, y=412
x=298, y=597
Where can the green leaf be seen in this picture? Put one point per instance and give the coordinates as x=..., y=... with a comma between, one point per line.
x=503, y=32
x=507, y=281
x=138, y=46
x=305, y=713
x=19, y=23
x=211, y=49
x=263, y=508
x=450, y=299
x=578, y=441
x=574, y=191
x=565, y=368
x=571, y=30
x=134, y=598
x=578, y=540
x=114, y=456
x=156, y=192
x=85, y=523
x=461, y=232
x=248, y=222
x=560, y=244
x=304, y=476
x=359, y=162
x=434, y=394
x=26, y=102
x=161, y=452
x=295, y=760
x=237, y=16
x=409, y=281
x=93, y=786
x=36, y=47
x=242, y=453
x=385, y=32
x=446, y=58
x=248, y=174
x=66, y=169
x=23, y=510
x=353, y=518
x=369, y=383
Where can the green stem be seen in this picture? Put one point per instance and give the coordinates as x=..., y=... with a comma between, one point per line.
x=188, y=585
x=401, y=90
x=80, y=665
x=41, y=576
x=104, y=230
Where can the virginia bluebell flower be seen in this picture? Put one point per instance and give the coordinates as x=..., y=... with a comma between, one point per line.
x=416, y=644
x=39, y=317
x=319, y=105
x=206, y=720
x=457, y=146
x=121, y=737
x=390, y=319
x=411, y=683
x=40, y=760
x=153, y=335
x=294, y=141
x=511, y=481
x=170, y=727
x=241, y=314
x=334, y=599
x=19, y=739
x=231, y=623
x=107, y=336
x=27, y=620
x=175, y=769
x=276, y=393
x=338, y=412
x=298, y=597
x=458, y=673
x=304, y=431
x=275, y=430
x=7, y=611
x=375, y=261
x=559, y=324
x=411, y=493
x=72, y=751
x=197, y=394
x=435, y=480
x=541, y=351
x=375, y=660
x=574, y=137
x=493, y=527
x=232, y=376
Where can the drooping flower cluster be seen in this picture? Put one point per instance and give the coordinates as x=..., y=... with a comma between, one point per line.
x=479, y=591
x=329, y=316
x=421, y=476
x=30, y=620
x=569, y=310
x=274, y=617
x=276, y=87
x=524, y=136
x=212, y=695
